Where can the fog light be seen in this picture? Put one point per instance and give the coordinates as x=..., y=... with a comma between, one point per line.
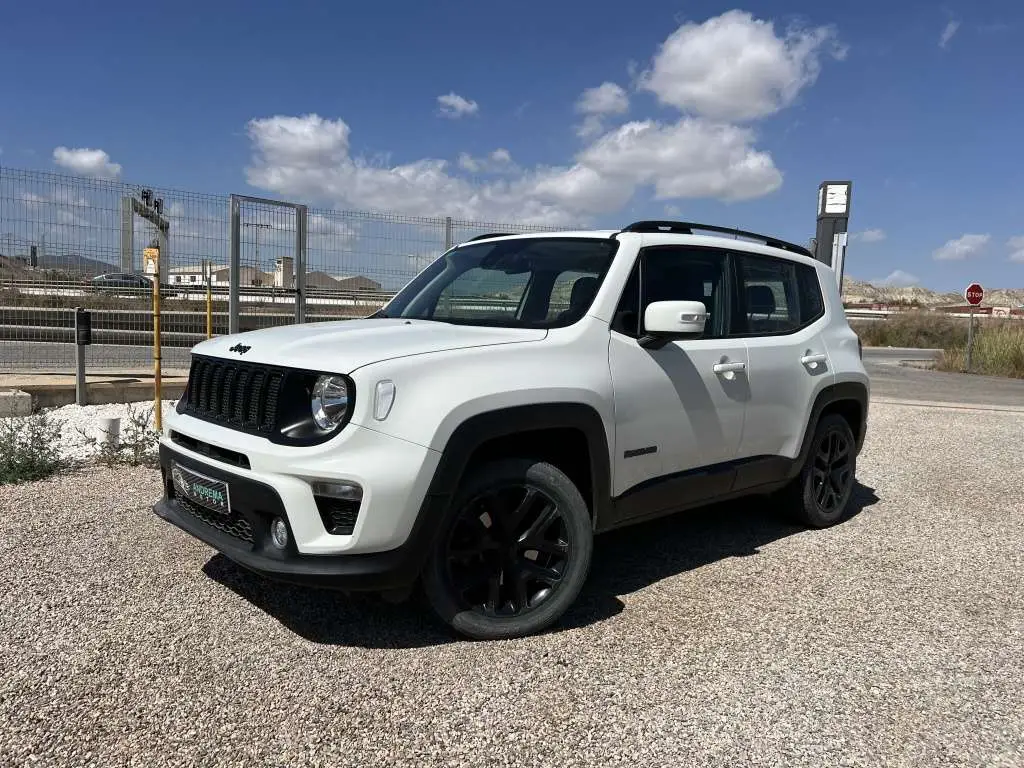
x=346, y=491
x=279, y=533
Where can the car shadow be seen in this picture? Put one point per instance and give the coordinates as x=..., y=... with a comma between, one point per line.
x=624, y=561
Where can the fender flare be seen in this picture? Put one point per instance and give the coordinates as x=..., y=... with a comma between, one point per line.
x=844, y=391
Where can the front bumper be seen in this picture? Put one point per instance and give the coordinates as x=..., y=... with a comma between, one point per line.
x=243, y=536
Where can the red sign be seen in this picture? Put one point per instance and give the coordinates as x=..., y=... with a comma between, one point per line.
x=974, y=293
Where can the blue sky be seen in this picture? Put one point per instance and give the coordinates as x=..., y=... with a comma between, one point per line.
x=703, y=111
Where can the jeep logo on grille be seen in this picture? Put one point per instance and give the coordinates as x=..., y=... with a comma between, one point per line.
x=240, y=349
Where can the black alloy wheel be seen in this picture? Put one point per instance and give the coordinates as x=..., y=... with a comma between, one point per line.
x=832, y=473
x=508, y=550
x=820, y=495
x=513, y=553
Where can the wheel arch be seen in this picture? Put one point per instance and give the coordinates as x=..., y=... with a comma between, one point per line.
x=506, y=424
x=849, y=399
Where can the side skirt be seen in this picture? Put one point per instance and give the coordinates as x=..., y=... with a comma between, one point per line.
x=696, y=488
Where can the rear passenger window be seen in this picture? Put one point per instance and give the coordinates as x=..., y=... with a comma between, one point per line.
x=777, y=295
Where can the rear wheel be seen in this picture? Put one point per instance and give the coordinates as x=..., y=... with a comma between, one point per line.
x=820, y=495
x=513, y=552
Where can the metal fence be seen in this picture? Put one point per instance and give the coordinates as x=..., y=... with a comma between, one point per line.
x=69, y=241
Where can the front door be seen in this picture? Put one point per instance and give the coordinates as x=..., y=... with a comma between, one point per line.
x=679, y=410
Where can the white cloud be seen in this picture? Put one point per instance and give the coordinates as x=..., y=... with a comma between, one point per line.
x=498, y=161
x=735, y=67
x=961, y=247
x=900, y=279
x=605, y=99
x=869, y=236
x=87, y=162
x=308, y=157
x=597, y=103
x=948, y=32
x=1016, y=246
x=455, y=106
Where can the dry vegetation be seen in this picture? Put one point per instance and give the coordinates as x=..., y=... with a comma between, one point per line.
x=998, y=344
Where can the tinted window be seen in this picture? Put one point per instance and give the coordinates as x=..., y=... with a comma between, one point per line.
x=536, y=282
x=777, y=295
x=812, y=305
x=675, y=273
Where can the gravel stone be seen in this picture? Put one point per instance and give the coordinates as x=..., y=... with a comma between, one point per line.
x=76, y=419
x=726, y=636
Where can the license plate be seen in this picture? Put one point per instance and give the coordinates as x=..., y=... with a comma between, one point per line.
x=200, y=489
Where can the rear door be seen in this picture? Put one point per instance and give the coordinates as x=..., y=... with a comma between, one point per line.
x=782, y=319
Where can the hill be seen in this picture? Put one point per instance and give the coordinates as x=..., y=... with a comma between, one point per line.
x=858, y=292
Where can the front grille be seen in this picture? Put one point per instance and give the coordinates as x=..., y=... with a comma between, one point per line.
x=338, y=515
x=240, y=395
x=233, y=524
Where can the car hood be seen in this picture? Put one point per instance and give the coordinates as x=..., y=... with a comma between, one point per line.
x=342, y=346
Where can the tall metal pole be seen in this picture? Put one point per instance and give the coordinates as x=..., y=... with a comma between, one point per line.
x=300, y=263
x=448, y=242
x=234, y=263
x=208, y=273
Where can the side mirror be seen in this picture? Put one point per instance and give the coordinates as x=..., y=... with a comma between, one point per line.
x=665, y=321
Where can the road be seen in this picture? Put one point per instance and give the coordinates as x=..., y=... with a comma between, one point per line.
x=888, y=378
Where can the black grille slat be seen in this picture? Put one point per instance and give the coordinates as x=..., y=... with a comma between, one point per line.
x=240, y=395
x=240, y=390
x=270, y=408
x=255, y=395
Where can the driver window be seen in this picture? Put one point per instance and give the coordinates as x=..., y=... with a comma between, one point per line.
x=683, y=273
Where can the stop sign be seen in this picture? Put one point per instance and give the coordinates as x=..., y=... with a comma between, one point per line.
x=974, y=293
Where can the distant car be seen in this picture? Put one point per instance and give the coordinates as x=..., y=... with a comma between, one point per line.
x=121, y=281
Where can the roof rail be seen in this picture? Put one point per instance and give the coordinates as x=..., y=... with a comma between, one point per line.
x=490, y=234
x=687, y=227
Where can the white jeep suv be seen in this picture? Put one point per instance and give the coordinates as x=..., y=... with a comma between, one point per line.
x=518, y=396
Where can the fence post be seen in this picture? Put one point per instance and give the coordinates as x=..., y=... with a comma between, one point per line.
x=300, y=263
x=447, y=232
x=234, y=265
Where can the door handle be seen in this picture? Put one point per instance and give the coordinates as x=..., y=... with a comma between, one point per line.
x=813, y=360
x=729, y=367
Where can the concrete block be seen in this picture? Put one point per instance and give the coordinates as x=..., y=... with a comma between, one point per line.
x=14, y=402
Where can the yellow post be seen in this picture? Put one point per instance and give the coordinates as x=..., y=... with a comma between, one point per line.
x=152, y=260
x=208, y=270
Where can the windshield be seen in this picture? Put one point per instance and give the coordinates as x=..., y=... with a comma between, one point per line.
x=537, y=282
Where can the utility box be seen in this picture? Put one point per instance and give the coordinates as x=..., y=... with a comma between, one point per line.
x=83, y=327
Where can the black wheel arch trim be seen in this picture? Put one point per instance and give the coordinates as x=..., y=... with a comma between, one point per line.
x=843, y=391
x=503, y=422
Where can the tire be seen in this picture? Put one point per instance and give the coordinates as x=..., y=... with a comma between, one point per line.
x=493, y=540
x=820, y=495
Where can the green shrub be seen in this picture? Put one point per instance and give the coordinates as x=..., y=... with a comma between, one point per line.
x=30, y=448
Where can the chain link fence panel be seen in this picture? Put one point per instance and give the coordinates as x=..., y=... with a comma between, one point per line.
x=69, y=241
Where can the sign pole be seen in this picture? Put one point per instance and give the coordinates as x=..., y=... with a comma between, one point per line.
x=975, y=294
x=152, y=261
x=970, y=338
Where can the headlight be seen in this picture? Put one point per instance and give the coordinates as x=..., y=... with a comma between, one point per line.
x=330, y=401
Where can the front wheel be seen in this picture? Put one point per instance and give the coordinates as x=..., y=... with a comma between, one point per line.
x=513, y=552
x=820, y=494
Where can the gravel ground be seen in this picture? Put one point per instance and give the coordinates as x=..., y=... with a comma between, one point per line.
x=723, y=637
